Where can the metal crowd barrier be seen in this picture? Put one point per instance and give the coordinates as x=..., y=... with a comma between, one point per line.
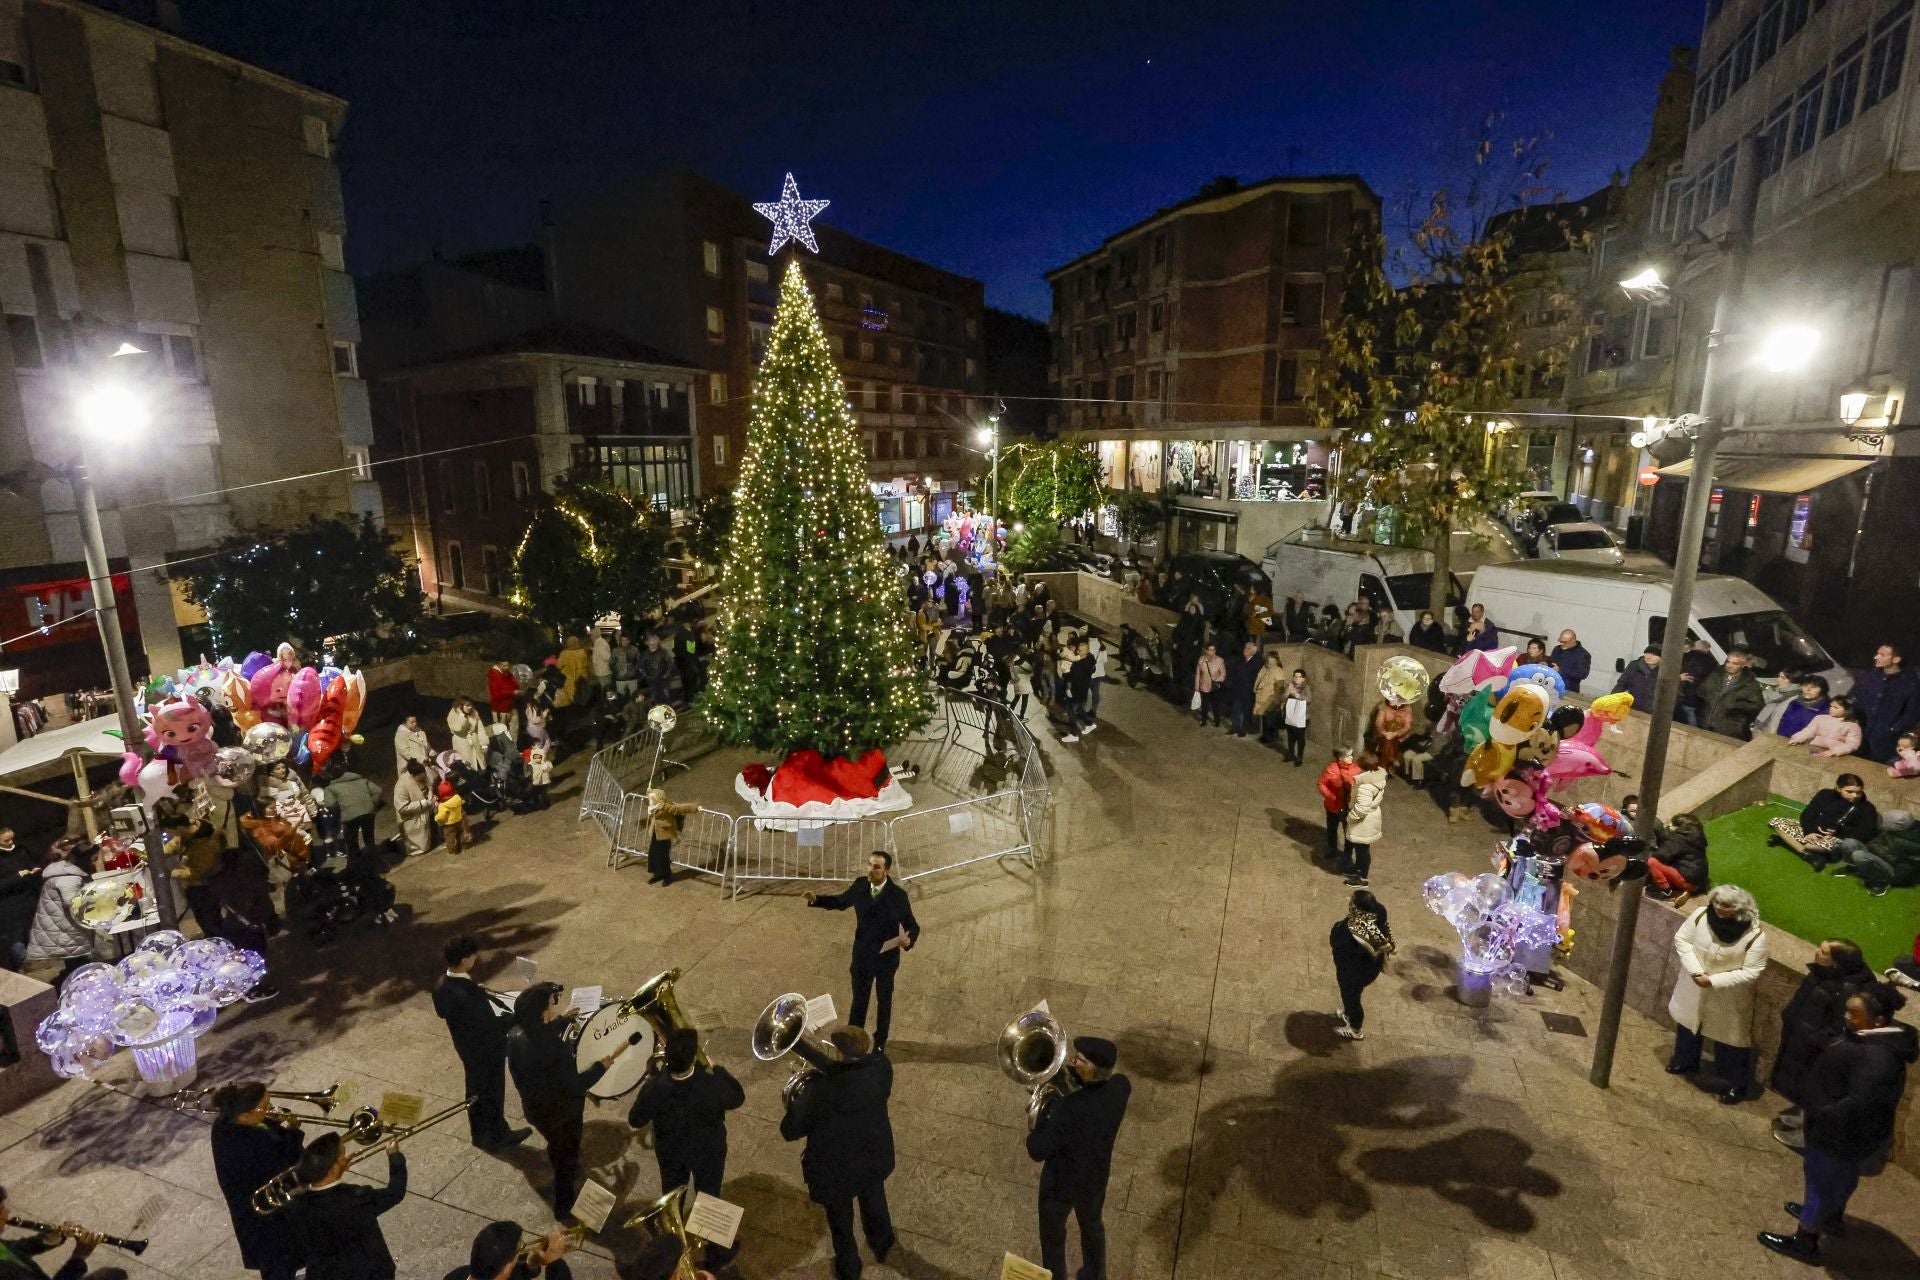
x=740, y=848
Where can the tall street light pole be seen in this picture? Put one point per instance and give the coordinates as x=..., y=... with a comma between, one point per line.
x=990, y=436
x=112, y=410
x=1717, y=385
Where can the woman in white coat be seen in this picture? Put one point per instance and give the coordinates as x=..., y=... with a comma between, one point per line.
x=469, y=729
x=413, y=804
x=1723, y=952
x=1364, y=825
x=410, y=743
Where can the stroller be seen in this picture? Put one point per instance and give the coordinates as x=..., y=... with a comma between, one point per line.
x=326, y=901
x=1143, y=656
x=475, y=789
x=507, y=775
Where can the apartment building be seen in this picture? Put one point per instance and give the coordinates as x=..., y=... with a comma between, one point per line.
x=680, y=263
x=482, y=400
x=1815, y=493
x=1187, y=348
x=158, y=192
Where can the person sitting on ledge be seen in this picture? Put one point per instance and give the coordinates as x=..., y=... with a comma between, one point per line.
x=1678, y=865
x=1834, y=733
x=1890, y=860
x=1836, y=813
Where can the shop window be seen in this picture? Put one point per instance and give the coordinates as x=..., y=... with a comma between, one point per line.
x=1800, y=529
x=456, y=567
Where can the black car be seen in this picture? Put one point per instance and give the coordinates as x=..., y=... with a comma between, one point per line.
x=1212, y=575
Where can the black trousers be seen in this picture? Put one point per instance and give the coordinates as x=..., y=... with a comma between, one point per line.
x=1734, y=1065
x=1093, y=1235
x=487, y=1117
x=874, y=1220
x=1355, y=969
x=676, y=1170
x=659, y=860
x=1296, y=743
x=359, y=833
x=563, y=1154
x=876, y=975
x=1334, y=820
x=1360, y=858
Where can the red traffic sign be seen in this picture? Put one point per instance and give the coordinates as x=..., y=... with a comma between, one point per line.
x=1649, y=475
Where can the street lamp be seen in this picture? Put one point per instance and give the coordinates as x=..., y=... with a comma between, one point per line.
x=989, y=437
x=110, y=412
x=1788, y=348
x=1852, y=405
x=1645, y=285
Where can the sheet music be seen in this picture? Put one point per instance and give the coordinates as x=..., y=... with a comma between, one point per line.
x=897, y=941
x=1012, y=1268
x=523, y=972
x=820, y=1011
x=585, y=999
x=714, y=1220
x=593, y=1205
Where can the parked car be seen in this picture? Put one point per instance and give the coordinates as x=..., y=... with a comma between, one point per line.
x=1619, y=612
x=1336, y=571
x=1212, y=575
x=1586, y=542
x=1526, y=506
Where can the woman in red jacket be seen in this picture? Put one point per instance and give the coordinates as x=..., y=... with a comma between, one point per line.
x=503, y=694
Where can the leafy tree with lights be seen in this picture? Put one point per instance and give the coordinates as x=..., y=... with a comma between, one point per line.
x=1137, y=515
x=1412, y=372
x=813, y=645
x=333, y=584
x=590, y=550
x=1055, y=482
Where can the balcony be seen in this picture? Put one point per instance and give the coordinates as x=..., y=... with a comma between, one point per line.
x=644, y=417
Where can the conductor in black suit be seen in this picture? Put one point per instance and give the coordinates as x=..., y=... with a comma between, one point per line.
x=882, y=910
x=339, y=1222
x=843, y=1116
x=250, y=1151
x=1073, y=1140
x=479, y=1028
x=553, y=1093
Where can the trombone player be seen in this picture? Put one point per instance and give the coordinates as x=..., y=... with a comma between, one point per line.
x=249, y=1150
x=339, y=1222
x=1073, y=1140
x=497, y=1254
x=479, y=1027
x=842, y=1114
x=17, y=1256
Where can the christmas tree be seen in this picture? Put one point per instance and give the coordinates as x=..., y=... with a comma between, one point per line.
x=814, y=649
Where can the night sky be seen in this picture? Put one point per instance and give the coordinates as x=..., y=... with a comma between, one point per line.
x=997, y=140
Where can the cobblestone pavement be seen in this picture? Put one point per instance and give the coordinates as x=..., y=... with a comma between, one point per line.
x=1181, y=914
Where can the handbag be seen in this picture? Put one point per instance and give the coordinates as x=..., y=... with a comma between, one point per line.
x=1195, y=704
x=1296, y=713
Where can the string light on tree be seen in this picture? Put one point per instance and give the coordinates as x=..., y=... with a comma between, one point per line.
x=792, y=217
x=813, y=645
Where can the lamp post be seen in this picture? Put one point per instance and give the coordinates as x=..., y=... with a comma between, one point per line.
x=111, y=410
x=989, y=436
x=1708, y=430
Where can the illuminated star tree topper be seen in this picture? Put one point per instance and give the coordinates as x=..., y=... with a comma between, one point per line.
x=792, y=217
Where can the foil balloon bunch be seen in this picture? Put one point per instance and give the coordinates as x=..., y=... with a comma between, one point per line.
x=1497, y=928
x=168, y=987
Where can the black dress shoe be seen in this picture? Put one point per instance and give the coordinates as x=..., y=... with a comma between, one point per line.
x=880, y=1251
x=514, y=1138
x=1730, y=1097
x=1800, y=1246
x=1680, y=1071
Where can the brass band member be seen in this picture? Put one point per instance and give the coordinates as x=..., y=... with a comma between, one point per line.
x=498, y=1255
x=1074, y=1141
x=17, y=1256
x=687, y=1105
x=339, y=1222
x=248, y=1153
x=658, y=1259
x=881, y=910
x=843, y=1117
x=552, y=1092
x=479, y=1028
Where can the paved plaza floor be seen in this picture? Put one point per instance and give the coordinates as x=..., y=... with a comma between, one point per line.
x=1181, y=914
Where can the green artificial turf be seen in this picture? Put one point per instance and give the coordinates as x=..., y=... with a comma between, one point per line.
x=1809, y=904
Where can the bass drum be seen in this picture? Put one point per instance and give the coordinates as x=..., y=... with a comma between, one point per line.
x=607, y=1031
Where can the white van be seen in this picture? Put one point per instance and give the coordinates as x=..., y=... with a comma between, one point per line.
x=1617, y=613
x=1329, y=570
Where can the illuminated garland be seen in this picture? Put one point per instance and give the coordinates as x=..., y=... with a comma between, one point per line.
x=813, y=644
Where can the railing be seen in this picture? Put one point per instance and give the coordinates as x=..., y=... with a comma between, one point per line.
x=741, y=848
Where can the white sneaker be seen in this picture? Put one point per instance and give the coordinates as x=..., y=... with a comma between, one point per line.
x=1348, y=1033
x=1071, y=737
x=1090, y=728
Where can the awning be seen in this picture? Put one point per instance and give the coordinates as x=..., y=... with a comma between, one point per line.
x=1773, y=475
x=1206, y=513
x=89, y=737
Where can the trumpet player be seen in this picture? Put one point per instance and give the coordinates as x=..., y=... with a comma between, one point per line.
x=687, y=1105
x=339, y=1222
x=498, y=1255
x=849, y=1155
x=479, y=1027
x=1073, y=1140
x=553, y=1092
x=17, y=1256
x=248, y=1152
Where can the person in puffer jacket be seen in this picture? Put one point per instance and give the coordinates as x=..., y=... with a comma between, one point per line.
x=1835, y=733
x=55, y=934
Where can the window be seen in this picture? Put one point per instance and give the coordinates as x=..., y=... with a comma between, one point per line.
x=1128, y=265
x=1887, y=58
x=443, y=472
x=1843, y=87
x=1806, y=117
x=482, y=489
x=897, y=398
x=1156, y=318
x=1773, y=138
x=716, y=388
x=1300, y=303
x=182, y=356
x=869, y=395
x=360, y=461
x=1767, y=41
x=1721, y=192
x=588, y=389
x=522, y=482
x=313, y=135
x=1298, y=376
x=1793, y=16
x=1718, y=81
x=716, y=324
x=756, y=272
x=866, y=349
x=1153, y=384
x=490, y=571
x=346, y=359
x=835, y=293
x=1743, y=56
x=23, y=336
x=456, y=567
x=1159, y=249
x=1656, y=336
x=332, y=249
x=758, y=336
x=973, y=367
x=710, y=256
x=1123, y=388
x=893, y=353
x=1124, y=327
x=1307, y=224
x=1099, y=282
x=719, y=451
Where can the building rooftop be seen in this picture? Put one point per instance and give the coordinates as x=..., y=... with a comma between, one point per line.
x=569, y=338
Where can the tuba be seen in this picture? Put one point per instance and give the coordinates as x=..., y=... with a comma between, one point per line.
x=666, y=1217
x=782, y=1025
x=654, y=1001
x=1033, y=1054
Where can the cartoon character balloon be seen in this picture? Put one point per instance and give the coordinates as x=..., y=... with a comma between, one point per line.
x=181, y=731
